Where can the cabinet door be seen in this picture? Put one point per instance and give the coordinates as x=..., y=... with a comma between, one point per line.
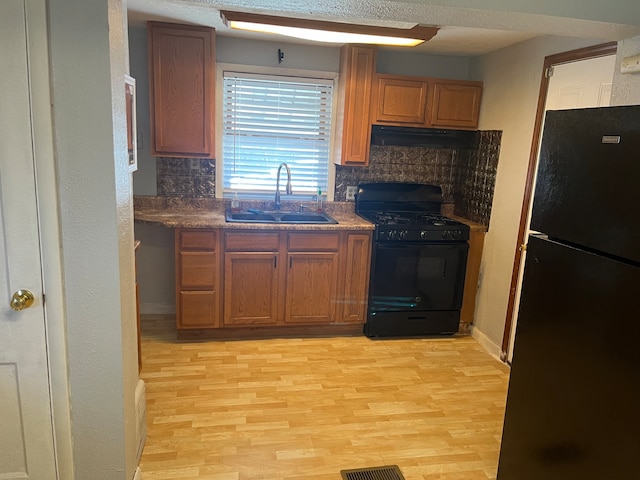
x=198, y=309
x=182, y=89
x=476, y=243
x=456, y=104
x=251, y=288
x=357, y=67
x=311, y=287
x=356, y=277
x=400, y=101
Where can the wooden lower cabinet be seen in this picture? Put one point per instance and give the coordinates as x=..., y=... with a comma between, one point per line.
x=311, y=277
x=272, y=279
x=251, y=293
x=197, y=309
x=476, y=244
x=197, y=279
x=357, y=260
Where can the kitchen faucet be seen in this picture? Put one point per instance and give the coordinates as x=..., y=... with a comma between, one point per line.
x=289, y=190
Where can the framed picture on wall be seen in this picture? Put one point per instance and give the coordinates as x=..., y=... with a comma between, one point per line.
x=130, y=95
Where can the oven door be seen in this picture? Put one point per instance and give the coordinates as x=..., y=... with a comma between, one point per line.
x=417, y=276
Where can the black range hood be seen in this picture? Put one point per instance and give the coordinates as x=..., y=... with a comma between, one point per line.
x=421, y=137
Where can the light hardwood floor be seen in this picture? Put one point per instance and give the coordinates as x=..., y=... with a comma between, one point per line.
x=284, y=409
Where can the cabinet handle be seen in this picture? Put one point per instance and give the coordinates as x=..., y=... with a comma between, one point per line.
x=275, y=262
x=290, y=262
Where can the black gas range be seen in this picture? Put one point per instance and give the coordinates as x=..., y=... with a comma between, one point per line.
x=418, y=262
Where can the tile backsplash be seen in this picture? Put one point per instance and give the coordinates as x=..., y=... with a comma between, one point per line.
x=402, y=164
x=476, y=178
x=193, y=177
x=467, y=176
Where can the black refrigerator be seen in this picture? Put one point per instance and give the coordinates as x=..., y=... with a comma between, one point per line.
x=573, y=404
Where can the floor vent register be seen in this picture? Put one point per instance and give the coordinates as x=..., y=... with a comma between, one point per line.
x=388, y=472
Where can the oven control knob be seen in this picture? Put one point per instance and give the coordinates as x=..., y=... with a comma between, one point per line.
x=402, y=234
x=424, y=235
x=444, y=235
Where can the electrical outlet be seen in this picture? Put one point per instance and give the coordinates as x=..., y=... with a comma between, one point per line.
x=630, y=64
x=195, y=164
x=351, y=192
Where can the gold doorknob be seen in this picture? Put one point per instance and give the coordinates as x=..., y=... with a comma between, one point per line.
x=22, y=299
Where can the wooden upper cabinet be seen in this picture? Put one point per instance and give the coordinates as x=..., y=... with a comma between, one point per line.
x=426, y=102
x=182, y=90
x=400, y=100
x=455, y=104
x=357, y=68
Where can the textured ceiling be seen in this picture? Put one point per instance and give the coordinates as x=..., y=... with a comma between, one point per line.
x=467, y=27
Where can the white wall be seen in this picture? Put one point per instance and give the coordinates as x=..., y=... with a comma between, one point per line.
x=421, y=65
x=626, y=87
x=144, y=179
x=511, y=86
x=88, y=58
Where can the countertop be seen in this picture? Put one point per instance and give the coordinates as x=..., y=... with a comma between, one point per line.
x=185, y=212
x=192, y=212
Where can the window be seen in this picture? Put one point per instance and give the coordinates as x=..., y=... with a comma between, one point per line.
x=269, y=120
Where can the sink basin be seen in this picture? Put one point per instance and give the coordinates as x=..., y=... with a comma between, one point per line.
x=305, y=217
x=279, y=217
x=250, y=217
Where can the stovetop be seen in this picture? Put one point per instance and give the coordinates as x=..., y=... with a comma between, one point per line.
x=410, y=219
x=408, y=212
x=416, y=227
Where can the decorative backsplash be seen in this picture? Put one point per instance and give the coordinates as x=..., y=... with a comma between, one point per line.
x=402, y=164
x=193, y=177
x=476, y=178
x=467, y=176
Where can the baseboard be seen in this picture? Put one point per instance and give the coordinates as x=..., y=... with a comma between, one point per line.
x=485, y=342
x=157, y=309
x=141, y=416
x=138, y=474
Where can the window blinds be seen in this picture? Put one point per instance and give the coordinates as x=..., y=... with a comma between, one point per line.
x=271, y=120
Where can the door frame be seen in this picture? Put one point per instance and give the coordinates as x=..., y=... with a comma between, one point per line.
x=594, y=51
x=50, y=232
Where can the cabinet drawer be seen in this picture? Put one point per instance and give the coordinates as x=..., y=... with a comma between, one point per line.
x=197, y=239
x=252, y=241
x=313, y=242
x=197, y=270
x=198, y=310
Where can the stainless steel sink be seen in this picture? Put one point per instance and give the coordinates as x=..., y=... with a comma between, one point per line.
x=279, y=217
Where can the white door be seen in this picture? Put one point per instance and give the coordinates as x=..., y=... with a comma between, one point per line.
x=26, y=433
x=580, y=84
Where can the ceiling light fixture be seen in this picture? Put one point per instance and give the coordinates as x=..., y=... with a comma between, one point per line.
x=331, y=32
